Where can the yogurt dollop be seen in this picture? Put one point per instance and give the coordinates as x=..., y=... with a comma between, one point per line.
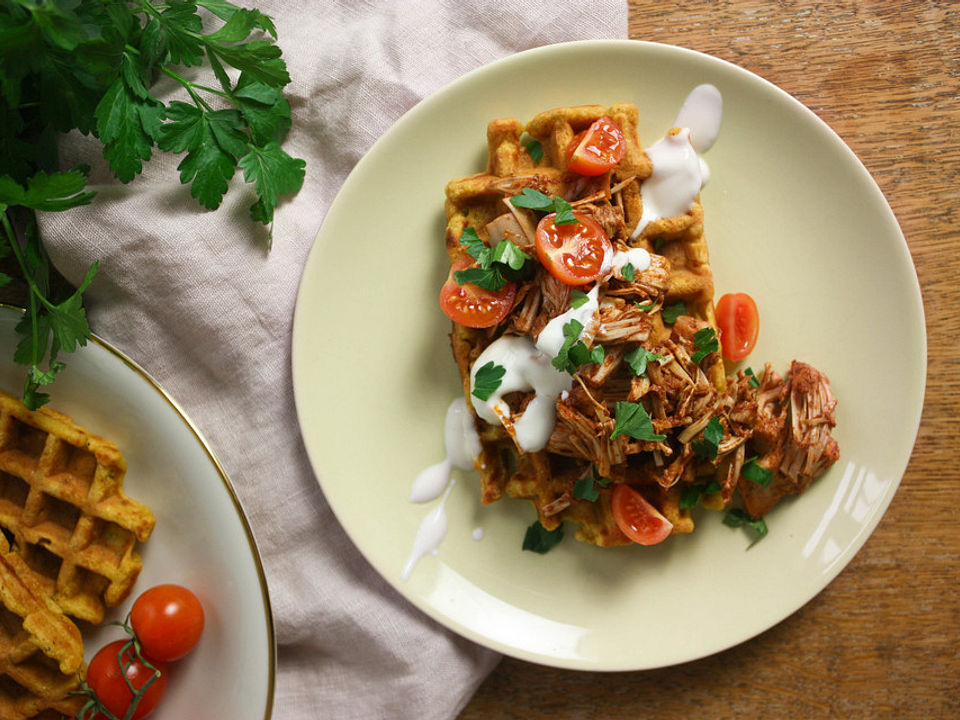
x=526, y=368
x=679, y=171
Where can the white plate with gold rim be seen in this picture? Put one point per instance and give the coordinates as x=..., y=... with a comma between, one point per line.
x=791, y=216
x=202, y=539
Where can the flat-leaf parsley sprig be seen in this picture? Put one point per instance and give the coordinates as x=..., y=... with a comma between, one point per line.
x=89, y=65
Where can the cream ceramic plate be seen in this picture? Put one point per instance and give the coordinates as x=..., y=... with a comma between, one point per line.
x=202, y=540
x=792, y=217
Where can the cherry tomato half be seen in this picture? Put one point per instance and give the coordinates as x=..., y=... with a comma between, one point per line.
x=739, y=324
x=471, y=305
x=575, y=253
x=168, y=620
x=597, y=149
x=105, y=678
x=638, y=519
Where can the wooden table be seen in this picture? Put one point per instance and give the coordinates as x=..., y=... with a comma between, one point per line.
x=883, y=639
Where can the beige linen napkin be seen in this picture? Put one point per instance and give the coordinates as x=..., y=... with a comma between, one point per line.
x=193, y=297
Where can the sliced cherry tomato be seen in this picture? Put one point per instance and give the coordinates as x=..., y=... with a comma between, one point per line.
x=638, y=519
x=168, y=620
x=739, y=324
x=105, y=678
x=597, y=149
x=576, y=253
x=471, y=305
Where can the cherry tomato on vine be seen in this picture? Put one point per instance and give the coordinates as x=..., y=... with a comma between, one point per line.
x=472, y=305
x=638, y=519
x=597, y=149
x=575, y=254
x=105, y=678
x=739, y=323
x=168, y=621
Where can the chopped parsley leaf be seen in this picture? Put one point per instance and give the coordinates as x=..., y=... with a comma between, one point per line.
x=658, y=243
x=476, y=248
x=536, y=200
x=712, y=435
x=692, y=493
x=488, y=278
x=627, y=272
x=737, y=517
x=753, y=472
x=753, y=382
x=578, y=298
x=638, y=358
x=505, y=258
x=506, y=253
x=535, y=149
x=487, y=379
x=564, y=212
x=574, y=352
x=632, y=419
x=533, y=199
x=705, y=342
x=670, y=313
x=646, y=307
x=540, y=540
x=584, y=490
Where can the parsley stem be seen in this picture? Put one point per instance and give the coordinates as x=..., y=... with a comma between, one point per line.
x=34, y=290
x=15, y=246
x=190, y=88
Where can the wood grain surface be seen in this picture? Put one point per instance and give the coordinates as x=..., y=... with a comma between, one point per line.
x=883, y=639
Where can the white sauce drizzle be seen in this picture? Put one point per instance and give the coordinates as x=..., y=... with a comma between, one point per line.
x=636, y=257
x=462, y=445
x=550, y=339
x=679, y=172
x=527, y=368
x=431, y=532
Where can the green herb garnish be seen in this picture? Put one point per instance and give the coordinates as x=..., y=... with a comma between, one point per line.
x=574, y=352
x=752, y=381
x=632, y=419
x=646, y=307
x=487, y=379
x=564, y=212
x=540, y=540
x=536, y=200
x=496, y=265
x=627, y=272
x=712, y=435
x=584, y=490
x=670, y=313
x=692, y=493
x=753, y=472
x=533, y=200
x=704, y=342
x=737, y=517
x=638, y=358
x=535, y=149
x=578, y=298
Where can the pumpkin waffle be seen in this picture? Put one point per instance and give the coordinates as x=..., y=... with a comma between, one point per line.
x=41, y=653
x=62, y=500
x=679, y=273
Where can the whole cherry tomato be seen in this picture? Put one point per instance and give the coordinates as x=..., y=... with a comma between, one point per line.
x=105, y=676
x=168, y=621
